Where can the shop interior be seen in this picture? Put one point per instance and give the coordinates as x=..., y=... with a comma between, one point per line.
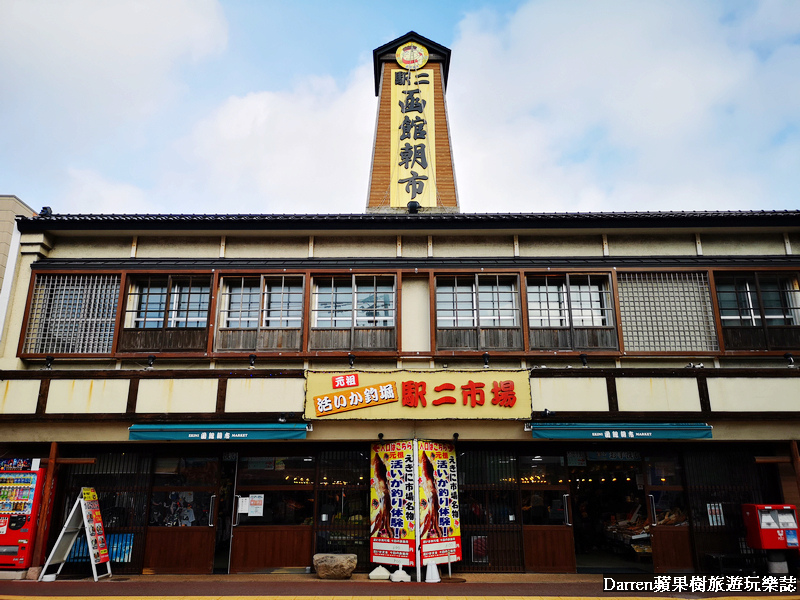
x=610, y=517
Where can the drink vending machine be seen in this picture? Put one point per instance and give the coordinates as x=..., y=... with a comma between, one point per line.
x=20, y=495
x=771, y=526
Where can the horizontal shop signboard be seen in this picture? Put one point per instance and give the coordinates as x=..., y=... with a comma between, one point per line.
x=217, y=432
x=442, y=394
x=621, y=431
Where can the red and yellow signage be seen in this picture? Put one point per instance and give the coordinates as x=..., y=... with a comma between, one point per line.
x=392, y=515
x=484, y=394
x=440, y=524
x=95, y=533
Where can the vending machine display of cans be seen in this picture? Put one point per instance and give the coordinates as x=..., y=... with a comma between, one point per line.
x=771, y=526
x=20, y=494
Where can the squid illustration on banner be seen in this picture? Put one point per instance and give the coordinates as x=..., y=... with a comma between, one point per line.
x=440, y=524
x=405, y=473
x=392, y=505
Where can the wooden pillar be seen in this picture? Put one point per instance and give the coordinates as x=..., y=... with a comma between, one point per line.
x=40, y=545
x=796, y=462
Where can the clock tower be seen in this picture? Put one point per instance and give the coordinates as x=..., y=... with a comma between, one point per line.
x=412, y=160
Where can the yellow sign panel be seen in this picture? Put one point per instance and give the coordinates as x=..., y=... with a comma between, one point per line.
x=413, y=157
x=378, y=395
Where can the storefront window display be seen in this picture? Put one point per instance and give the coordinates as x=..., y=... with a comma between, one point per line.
x=182, y=490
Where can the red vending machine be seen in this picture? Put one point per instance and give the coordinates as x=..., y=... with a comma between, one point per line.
x=771, y=526
x=21, y=482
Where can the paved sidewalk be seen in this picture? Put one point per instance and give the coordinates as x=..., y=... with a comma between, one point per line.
x=308, y=587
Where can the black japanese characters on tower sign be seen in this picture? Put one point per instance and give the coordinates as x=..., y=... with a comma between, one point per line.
x=412, y=124
x=412, y=129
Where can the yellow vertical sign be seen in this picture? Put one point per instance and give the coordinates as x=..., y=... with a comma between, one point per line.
x=392, y=504
x=413, y=157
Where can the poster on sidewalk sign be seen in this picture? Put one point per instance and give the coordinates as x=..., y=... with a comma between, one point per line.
x=85, y=516
x=95, y=534
x=414, y=512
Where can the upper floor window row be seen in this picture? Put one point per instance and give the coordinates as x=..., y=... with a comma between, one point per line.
x=647, y=312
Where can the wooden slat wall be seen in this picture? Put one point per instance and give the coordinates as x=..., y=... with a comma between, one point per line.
x=549, y=549
x=382, y=155
x=259, y=548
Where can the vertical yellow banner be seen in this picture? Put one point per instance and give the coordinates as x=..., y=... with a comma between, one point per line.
x=392, y=517
x=440, y=523
x=413, y=158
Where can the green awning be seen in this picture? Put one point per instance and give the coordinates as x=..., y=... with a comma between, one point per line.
x=621, y=431
x=216, y=432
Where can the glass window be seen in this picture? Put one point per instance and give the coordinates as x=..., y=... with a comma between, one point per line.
x=542, y=470
x=583, y=300
x=374, y=302
x=189, y=304
x=175, y=302
x=179, y=508
x=240, y=301
x=497, y=301
x=670, y=508
x=282, y=507
x=664, y=471
x=547, y=302
x=283, y=302
x=72, y=314
x=543, y=507
x=589, y=300
x=172, y=471
x=363, y=301
x=340, y=507
x=343, y=468
x=751, y=300
x=455, y=302
x=276, y=470
x=333, y=302
x=469, y=301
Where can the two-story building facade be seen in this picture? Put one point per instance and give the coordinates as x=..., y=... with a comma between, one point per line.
x=616, y=385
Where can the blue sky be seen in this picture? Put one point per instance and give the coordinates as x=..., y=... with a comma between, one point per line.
x=262, y=106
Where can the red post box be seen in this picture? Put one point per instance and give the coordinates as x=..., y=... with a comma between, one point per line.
x=771, y=526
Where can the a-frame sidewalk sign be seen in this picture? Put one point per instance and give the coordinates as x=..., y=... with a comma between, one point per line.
x=85, y=515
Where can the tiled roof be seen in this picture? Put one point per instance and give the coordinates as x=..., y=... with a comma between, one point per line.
x=420, y=221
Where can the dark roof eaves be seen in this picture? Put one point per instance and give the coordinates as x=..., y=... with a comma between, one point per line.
x=344, y=222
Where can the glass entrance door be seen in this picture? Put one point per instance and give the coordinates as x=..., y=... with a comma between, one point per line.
x=273, y=526
x=226, y=506
x=610, y=516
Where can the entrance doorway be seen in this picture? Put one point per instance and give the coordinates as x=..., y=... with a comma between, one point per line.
x=611, y=519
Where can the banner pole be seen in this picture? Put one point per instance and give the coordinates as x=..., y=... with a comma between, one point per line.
x=418, y=540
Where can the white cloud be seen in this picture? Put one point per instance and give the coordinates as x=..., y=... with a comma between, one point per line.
x=88, y=192
x=303, y=150
x=620, y=106
x=73, y=72
x=582, y=105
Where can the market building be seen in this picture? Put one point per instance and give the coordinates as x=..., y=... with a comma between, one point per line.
x=615, y=385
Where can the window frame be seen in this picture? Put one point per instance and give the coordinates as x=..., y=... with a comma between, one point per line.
x=26, y=347
x=344, y=333
x=754, y=331
x=170, y=336
x=571, y=331
x=471, y=331
x=262, y=337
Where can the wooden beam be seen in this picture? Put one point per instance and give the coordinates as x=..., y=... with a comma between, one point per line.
x=71, y=461
x=40, y=544
x=771, y=460
x=795, y=462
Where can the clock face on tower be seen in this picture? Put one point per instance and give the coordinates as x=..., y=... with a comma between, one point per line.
x=412, y=56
